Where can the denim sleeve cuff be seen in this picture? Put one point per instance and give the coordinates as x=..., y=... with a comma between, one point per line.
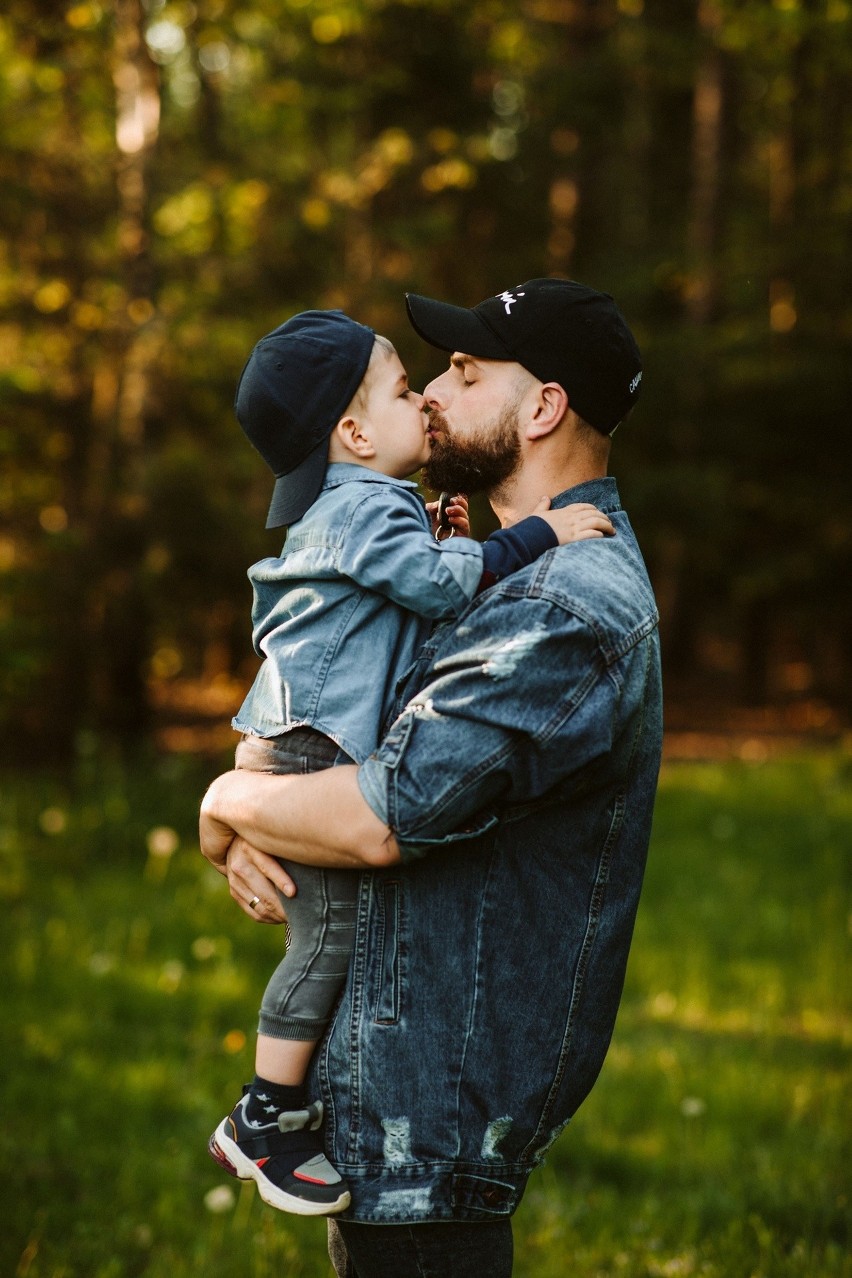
x=373, y=784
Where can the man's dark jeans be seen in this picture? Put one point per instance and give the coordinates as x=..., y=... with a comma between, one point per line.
x=455, y=1250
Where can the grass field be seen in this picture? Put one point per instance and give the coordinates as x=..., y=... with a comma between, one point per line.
x=715, y=1143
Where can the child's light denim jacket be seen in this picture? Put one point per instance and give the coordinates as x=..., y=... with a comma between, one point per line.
x=343, y=611
x=519, y=780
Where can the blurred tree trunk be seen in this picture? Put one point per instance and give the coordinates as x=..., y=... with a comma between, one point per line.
x=703, y=226
x=756, y=635
x=637, y=135
x=579, y=201
x=122, y=389
x=701, y=239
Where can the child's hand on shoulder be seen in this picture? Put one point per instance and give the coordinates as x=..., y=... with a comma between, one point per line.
x=577, y=522
x=456, y=517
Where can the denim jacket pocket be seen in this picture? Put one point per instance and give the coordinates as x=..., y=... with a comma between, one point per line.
x=415, y=846
x=387, y=1002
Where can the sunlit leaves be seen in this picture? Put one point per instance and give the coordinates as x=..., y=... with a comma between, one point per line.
x=187, y=217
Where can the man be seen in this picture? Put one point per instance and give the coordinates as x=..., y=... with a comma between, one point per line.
x=505, y=817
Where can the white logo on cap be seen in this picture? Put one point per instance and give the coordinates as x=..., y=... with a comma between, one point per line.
x=636, y=380
x=509, y=299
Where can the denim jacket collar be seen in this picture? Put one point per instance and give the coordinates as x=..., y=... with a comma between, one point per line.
x=338, y=473
x=602, y=492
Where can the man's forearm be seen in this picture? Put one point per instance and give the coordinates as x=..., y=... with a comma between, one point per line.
x=319, y=819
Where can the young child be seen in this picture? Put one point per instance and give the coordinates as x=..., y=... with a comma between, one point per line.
x=338, y=616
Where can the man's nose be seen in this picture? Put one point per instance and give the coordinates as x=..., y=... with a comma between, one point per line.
x=434, y=394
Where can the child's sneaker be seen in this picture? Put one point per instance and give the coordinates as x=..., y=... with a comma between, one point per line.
x=284, y=1158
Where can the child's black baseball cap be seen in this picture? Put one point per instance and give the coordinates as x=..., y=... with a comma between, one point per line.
x=559, y=330
x=295, y=386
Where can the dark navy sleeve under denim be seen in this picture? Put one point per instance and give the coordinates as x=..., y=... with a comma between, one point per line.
x=519, y=780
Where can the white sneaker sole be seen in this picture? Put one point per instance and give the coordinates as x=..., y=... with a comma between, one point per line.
x=245, y=1169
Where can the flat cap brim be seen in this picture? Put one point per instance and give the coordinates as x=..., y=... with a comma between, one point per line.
x=295, y=492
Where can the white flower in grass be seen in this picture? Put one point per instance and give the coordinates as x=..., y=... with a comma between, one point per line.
x=171, y=975
x=220, y=1199
x=679, y=1265
x=693, y=1107
x=162, y=841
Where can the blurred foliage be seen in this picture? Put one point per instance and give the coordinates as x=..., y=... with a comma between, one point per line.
x=180, y=177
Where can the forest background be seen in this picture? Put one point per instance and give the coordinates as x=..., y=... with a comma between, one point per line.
x=175, y=180
x=178, y=178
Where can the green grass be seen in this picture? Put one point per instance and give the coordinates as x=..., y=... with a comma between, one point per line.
x=712, y=1145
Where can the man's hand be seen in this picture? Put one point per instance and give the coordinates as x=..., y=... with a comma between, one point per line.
x=577, y=522
x=254, y=876
x=215, y=835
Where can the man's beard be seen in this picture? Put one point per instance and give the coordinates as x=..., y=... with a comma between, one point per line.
x=480, y=463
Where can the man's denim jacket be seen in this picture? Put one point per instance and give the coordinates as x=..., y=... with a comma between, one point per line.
x=519, y=781
x=345, y=608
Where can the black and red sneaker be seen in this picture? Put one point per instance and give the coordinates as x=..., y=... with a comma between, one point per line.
x=284, y=1158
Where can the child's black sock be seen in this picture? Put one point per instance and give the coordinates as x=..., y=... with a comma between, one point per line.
x=290, y=1156
x=267, y=1100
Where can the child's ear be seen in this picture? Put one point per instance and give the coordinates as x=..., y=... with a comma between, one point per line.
x=348, y=438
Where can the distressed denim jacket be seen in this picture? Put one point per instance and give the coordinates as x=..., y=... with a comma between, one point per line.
x=519, y=780
x=346, y=607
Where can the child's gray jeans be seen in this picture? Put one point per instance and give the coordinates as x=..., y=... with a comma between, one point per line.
x=304, y=987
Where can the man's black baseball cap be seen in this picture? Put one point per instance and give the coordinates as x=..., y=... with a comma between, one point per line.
x=295, y=386
x=560, y=331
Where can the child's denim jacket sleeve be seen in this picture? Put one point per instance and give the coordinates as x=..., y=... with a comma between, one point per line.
x=342, y=612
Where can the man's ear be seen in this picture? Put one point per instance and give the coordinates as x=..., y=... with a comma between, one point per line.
x=348, y=438
x=547, y=410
